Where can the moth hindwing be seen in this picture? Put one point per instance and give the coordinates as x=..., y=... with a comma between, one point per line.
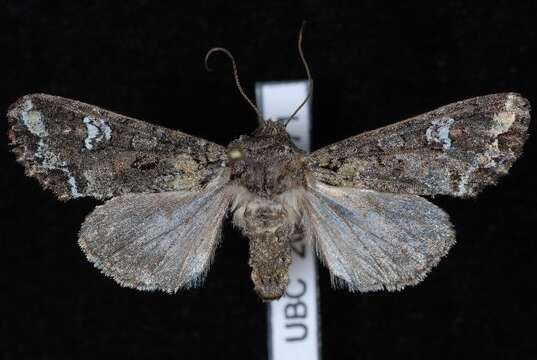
x=357, y=201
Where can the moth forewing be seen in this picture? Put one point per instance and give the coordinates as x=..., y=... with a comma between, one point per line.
x=77, y=150
x=158, y=241
x=457, y=150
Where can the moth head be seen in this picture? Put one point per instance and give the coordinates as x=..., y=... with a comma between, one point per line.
x=269, y=140
x=271, y=128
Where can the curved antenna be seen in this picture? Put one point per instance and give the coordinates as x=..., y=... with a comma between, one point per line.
x=310, y=80
x=235, y=74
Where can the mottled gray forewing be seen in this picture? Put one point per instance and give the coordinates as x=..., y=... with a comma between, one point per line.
x=157, y=241
x=76, y=150
x=372, y=241
x=457, y=150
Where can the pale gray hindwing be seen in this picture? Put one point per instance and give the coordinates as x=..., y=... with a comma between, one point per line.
x=372, y=241
x=162, y=241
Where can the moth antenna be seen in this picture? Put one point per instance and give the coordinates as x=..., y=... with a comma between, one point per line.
x=235, y=74
x=310, y=80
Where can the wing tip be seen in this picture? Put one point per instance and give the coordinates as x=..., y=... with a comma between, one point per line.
x=521, y=107
x=26, y=133
x=24, y=101
x=510, y=119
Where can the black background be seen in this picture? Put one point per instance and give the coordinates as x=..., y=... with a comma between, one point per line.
x=374, y=63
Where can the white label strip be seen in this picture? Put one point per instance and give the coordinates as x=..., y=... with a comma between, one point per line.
x=294, y=331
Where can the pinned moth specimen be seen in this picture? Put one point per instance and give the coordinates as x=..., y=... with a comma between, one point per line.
x=358, y=202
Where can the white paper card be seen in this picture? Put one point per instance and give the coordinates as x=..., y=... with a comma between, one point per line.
x=293, y=320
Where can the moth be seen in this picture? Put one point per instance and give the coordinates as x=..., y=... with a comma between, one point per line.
x=359, y=201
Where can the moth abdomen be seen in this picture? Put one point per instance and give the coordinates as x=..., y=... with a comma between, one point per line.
x=270, y=257
x=269, y=225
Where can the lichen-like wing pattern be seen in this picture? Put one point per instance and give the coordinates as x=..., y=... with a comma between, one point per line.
x=456, y=150
x=78, y=150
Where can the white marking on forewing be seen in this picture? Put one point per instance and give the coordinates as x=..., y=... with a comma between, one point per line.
x=51, y=161
x=502, y=122
x=33, y=120
x=438, y=132
x=97, y=129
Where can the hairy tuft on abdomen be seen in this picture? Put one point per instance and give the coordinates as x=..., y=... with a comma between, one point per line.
x=270, y=228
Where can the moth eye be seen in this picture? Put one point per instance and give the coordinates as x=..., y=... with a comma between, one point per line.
x=235, y=154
